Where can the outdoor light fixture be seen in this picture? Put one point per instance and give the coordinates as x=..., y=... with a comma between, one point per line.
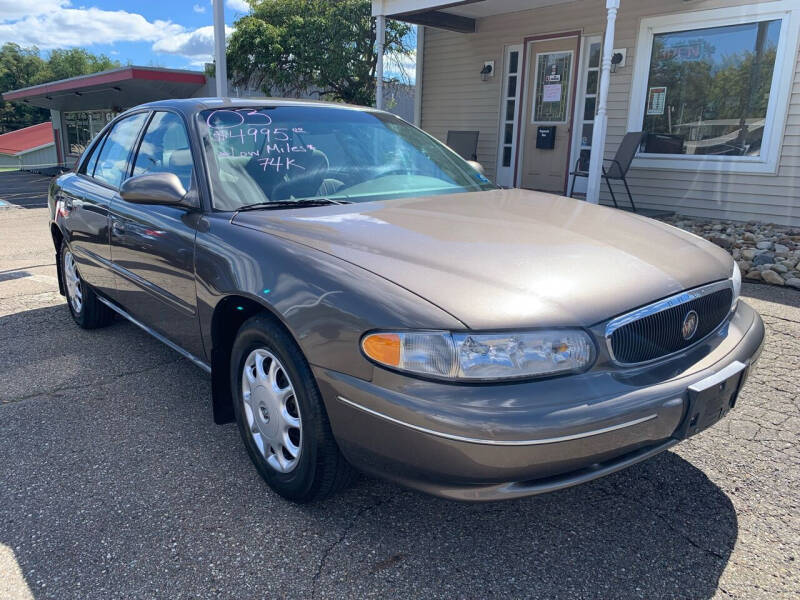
x=615, y=60
x=487, y=71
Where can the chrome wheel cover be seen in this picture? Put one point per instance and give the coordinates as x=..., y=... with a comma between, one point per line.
x=271, y=410
x=73, y=282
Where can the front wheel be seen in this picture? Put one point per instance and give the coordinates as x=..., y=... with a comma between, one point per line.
x=86, y=309
x=281, y=416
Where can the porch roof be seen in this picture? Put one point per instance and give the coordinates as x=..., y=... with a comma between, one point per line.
x=454, y=15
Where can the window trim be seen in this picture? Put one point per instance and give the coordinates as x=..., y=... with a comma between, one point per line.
x=777, y=109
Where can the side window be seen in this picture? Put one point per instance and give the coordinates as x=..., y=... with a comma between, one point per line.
x=165, y=149
x=89, y=165
x=112, y=162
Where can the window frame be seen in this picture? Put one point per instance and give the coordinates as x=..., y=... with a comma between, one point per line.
x=780, y=92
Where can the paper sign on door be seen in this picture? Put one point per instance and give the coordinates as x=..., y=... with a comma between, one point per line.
x=552, y=93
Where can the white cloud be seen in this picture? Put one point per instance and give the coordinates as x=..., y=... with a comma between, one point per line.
x=56, y=24
x=11, y=10
x=238, y=5
x=197, y=45
x=65, y=27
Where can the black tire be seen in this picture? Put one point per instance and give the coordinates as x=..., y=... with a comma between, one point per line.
x=89, y=313
x=320, y=469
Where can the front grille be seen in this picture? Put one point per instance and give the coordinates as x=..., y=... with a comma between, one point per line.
x=657, y=331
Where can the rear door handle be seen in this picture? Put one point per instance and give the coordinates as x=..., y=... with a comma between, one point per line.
x=117, y=227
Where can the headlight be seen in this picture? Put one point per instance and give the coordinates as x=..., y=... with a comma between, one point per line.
x=736, y=279
x=482, y=356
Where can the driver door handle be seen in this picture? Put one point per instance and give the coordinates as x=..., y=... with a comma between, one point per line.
x=117, y=227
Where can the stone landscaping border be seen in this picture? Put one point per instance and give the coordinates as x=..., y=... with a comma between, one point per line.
x=764, y=252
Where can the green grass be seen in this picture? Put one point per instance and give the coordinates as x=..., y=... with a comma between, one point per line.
x=4, y=169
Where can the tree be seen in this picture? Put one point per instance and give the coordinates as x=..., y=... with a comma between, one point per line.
x=307, y=46
x=62, y=64
x=22, y=67
x=19, y=67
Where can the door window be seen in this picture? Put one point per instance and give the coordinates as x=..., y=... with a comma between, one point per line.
x=112, y=163
x=165, y=148
x=553, y=74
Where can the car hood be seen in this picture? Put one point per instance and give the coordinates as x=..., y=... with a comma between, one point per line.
x=508, y=258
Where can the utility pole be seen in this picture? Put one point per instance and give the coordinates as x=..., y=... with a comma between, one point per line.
x=220, y=60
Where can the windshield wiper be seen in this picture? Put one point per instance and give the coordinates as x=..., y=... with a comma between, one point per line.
x=290, y=204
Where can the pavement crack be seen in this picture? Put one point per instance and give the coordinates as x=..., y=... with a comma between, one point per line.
x=769, y=316
x=339, y=541
x=72, y=387
x=27, y=267
x=682, y=534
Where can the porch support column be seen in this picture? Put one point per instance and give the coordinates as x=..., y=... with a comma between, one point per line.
x=380, y=38
x=601, y=120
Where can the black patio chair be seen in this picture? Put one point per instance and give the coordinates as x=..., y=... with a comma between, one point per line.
x=464, y=143
x=618, y=168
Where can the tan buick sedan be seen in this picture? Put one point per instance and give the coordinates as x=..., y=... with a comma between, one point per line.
x=362, y=297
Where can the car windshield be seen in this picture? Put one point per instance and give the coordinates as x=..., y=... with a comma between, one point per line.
x=265, y=155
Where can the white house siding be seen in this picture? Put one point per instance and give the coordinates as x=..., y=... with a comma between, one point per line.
x=454, y=97
x=41, y=158
x=8, y=160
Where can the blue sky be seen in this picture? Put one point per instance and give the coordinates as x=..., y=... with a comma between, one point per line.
x=165, y=33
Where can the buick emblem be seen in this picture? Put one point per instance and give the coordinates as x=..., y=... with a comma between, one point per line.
x=690, y=322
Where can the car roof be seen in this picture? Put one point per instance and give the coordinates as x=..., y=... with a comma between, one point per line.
x=194, y=105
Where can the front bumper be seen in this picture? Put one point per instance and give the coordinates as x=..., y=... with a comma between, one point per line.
x=491, y=442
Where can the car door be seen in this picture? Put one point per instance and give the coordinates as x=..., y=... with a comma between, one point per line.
x=152, y=246
x=87, y=197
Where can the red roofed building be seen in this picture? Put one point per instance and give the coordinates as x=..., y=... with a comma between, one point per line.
x=29, y=148
x=81, y=106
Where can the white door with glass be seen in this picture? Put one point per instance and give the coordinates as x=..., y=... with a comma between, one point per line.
x=548, y=114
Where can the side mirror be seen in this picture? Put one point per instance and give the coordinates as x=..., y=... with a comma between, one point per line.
x=153, y=188
x=477, y=166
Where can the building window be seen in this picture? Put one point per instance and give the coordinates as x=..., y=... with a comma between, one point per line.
x=708, y=89
x=711, y=88
x=83, y=126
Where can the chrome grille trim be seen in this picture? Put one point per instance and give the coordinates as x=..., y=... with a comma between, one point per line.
x=660, y=306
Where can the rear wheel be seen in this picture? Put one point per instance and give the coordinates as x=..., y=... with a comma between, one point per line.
x=84, y=306
x=281, y=416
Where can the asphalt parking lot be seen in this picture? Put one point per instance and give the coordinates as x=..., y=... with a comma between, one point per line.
x=21, y=189
x=114, y=483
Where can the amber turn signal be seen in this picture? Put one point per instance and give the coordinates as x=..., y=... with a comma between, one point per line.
x=383, y=348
